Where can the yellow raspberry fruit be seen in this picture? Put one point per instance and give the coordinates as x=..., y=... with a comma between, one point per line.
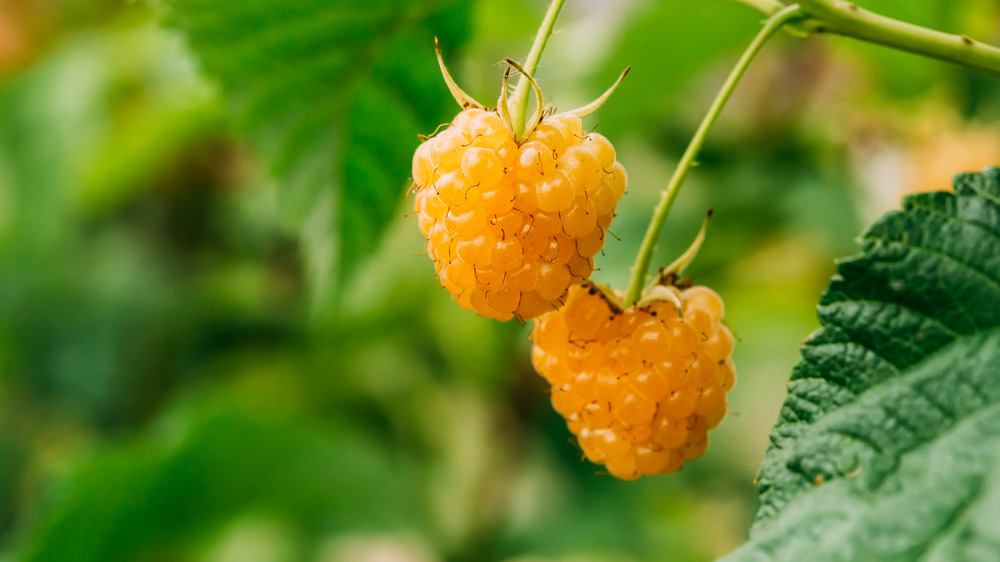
x=513, y=220
x=511, y=227
x=641, y=387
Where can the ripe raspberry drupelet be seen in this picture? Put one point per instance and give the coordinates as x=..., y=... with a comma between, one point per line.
x=640, y=388
x=511, y=223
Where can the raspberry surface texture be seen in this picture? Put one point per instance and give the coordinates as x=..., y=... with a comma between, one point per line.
x=639, y=388
x=511, y=226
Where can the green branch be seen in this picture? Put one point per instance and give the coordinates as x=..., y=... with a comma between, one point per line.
x=850, y=20
x=645, y=257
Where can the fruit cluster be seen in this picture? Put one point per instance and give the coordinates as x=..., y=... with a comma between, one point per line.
x=640, y=388
x=512, y=222
x=511, y=226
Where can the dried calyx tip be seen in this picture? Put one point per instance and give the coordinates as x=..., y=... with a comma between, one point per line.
x=616, y=305
x=672, y=272
x=539, y=109
x=463, y=99
x=596, y=104
x=660, y=293
x=503, y=107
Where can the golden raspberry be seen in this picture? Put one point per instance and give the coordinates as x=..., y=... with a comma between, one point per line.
x=511, y=226
x=641, y=387
x=512, y=221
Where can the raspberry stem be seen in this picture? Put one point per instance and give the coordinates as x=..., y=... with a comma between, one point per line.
x=645, y=257
x=519, y=109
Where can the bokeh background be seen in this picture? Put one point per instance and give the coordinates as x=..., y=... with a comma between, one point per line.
x=168, y=390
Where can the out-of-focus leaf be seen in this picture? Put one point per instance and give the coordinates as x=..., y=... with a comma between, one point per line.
x=150, y=501
x=38, y=130
x=887, y=445
x=666, y=48
x=331, y=94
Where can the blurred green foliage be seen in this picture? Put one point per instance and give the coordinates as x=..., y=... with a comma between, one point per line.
x=174, y=381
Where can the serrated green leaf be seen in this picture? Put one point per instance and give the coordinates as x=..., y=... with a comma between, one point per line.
x=887, y=445
x=331, y=93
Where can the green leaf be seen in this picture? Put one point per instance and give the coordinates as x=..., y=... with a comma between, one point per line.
x=153, y=501
x=332, y=95
x=887, y=445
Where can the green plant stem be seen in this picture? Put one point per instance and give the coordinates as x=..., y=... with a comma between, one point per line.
x=646, y=251
x=846, y=18
x=519, y=109
x=850, y=20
